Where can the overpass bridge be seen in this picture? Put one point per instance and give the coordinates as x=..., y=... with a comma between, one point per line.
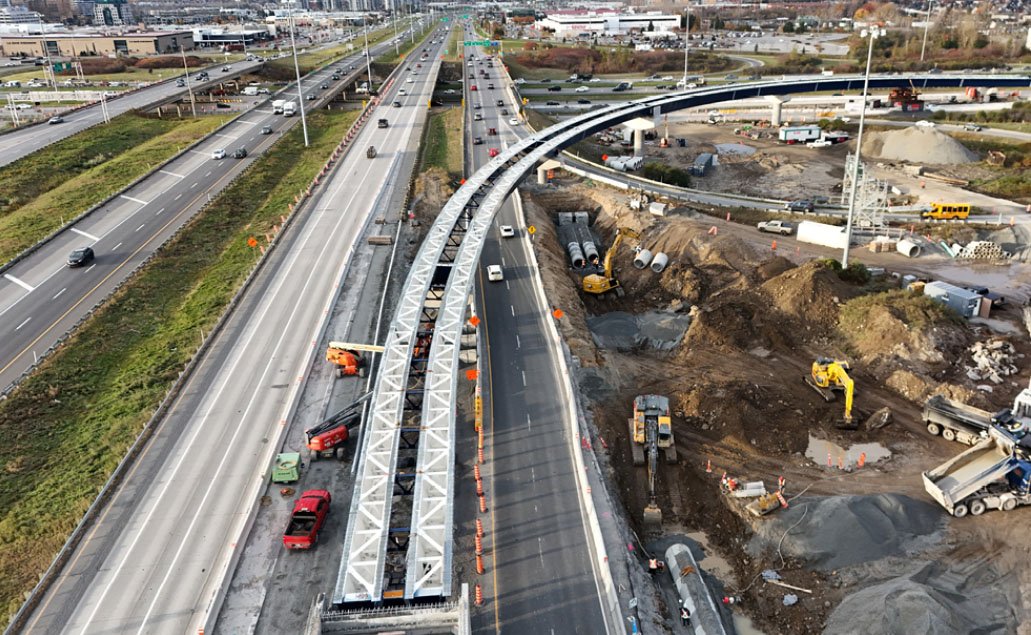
x=398, y=543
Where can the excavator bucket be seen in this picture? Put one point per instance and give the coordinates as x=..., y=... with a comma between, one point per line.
x=652, y=515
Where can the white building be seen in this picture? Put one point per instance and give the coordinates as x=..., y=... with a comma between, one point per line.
x=572, y=25
x=19, y=15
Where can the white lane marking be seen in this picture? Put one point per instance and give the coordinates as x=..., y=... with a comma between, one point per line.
x=23, y=323
x=247, y=123
x=524, y=378
x=517, y=345
x=82, y=233
x=180, y=195
x=59, y=293
x=513, y=310
x=178, y=176
x=503, y=262
x=160, y=210
x=90, y=268
x=116, y=246
x=227, y=136
x=135, y=200
x=20, y=283
x=527, y=421
x=191, y=187
x=139, y=228
x=506, y=285
x=208, y=173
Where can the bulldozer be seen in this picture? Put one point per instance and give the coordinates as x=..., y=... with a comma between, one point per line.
x=651, y=429
x=828, y=377
x=600, y=284
x=348, y=357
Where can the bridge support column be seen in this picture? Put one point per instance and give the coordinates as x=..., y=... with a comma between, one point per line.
x=638, y=143
x=776, y=104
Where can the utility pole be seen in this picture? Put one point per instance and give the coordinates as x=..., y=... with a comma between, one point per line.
x=687, y=41
x=297, y=71
x=393, y=19
x=927, y=25
x=873, y=34
x=368, y=58
x=189, y=86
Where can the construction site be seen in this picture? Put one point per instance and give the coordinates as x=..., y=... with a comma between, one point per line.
x=766, y=418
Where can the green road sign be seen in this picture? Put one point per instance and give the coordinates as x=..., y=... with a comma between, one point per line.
x=480, y=43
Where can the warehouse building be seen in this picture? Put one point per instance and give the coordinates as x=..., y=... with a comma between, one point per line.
x=87, y=45
x=573, y=24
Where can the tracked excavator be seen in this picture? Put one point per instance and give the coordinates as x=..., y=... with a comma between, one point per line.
x=651, y=430
x=600, y=284
x=828, y=377
x=348, y=357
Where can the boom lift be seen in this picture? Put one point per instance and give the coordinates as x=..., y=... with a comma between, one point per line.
x=651, y=428
x=331, y=434
x=348, y=357
x=829, y=376
x=599, y=284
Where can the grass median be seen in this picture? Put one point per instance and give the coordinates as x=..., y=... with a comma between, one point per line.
x=41, y=192
x=442, y=142
x=70, y=423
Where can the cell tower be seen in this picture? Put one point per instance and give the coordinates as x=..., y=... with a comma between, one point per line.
x=871, y=195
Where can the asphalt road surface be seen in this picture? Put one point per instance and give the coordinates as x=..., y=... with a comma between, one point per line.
x=19, y=143
x=41, y=298
x=545, y=582
x=158, y=556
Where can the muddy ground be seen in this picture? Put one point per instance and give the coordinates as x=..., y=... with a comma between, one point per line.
x=868, y=543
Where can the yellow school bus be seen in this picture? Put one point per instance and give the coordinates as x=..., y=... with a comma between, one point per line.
x=947, y=211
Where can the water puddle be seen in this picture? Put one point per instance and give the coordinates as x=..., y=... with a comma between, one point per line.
x=832, y=455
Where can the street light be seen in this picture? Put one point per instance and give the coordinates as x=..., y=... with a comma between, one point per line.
x=297, y=71
x=873, y=34
x=927, y=25
x=189, y=86
x=368, y=58
x=687, y=41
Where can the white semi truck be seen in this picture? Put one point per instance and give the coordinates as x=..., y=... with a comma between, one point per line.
x=277, y=106
x=289, y=109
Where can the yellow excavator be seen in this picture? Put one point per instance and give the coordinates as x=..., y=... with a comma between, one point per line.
x=600, y=284
x=829, y=376
x=651, y=430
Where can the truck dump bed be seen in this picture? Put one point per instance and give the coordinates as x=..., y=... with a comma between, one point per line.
x=981, y=419
x=972, y=470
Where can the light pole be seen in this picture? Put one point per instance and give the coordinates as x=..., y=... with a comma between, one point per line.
x=927, y=25
x=189, y=86
x=873, y=34
x=297, y=71
x=393, y=19
x=52, y=79
x=687, y=41
x=368, y=58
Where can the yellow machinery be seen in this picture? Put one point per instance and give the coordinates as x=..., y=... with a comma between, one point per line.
x=947, y=211
x=652, y=428
x=829, y=376
x=598, y=284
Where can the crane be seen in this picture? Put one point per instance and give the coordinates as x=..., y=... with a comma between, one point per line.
x=829, y=376
x=599, y=284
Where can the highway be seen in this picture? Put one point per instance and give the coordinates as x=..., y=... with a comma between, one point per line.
x=19, y=143
x=544, y=579
x=157, y=559
x=41, y=298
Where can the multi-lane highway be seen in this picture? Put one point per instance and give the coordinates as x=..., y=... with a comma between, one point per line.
x=157, y=559
x=545, y=581
x=41, y=298
x=19, y=143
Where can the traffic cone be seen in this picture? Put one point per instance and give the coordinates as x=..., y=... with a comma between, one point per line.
x=862, y=459
x=479, y=527
x=479, y=488
x=479, y=596
x=708, y=466
x=479, y=546
x=476, y=472
x=483, y=504
x=479, y=565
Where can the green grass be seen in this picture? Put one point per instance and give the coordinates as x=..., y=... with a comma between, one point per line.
x=45, y=189
x=442, y=142
x=317, y=59
x=453, y=52
x=68, y=425
x=917, y=311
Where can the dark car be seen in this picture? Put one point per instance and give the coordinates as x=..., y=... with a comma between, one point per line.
x=800, y=206
x=266, y=130
x=477, y=141
x=504, y=112
x=545, y=81
x=239, y=153
x=552, y=103
x=325, y=86
x=382, y=123
x=586, y=102
x=499, y=103
x=397, y=104
x=554, y=89
x=81, y=257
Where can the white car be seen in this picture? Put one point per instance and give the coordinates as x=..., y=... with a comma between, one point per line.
x=402, y=92
x=410, y=81
x=519, y=80
x=513, y=122
x=666, y=78
x=594, y=80
x=582, y=89
x=924, y=123
x=820, y=143
x=507, y=231
x=494, y=273
x=219, y=154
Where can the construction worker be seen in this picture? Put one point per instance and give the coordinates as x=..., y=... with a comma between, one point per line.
x=780, y=483
x=685, y=616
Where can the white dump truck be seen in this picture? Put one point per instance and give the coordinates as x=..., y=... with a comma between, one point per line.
x=994, y=474
x=957, y=421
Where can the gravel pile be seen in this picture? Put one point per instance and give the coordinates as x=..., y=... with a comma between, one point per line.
x=917, y=144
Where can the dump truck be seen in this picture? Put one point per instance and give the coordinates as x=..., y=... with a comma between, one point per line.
x=309, y=514
x=956, y=421
x=994, y=474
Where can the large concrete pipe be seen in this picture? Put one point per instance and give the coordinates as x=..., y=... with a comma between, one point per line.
x=565, y=218
x=591, y=251
x=659, y=262
x=582, y=218
x=642, y=259
x=908, y=248
x=576, y=255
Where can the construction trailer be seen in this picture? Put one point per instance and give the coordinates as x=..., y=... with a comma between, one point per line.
x=701, y=164
x=963, y=301
x=799, y=134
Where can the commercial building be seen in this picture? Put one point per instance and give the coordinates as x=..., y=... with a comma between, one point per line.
x=19, y=15
x=112, y=13
x=208, y=37
x=574, y=24
x=86, y=45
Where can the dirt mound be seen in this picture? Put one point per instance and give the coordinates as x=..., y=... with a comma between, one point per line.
x=917, y=144
x=877, y=527
x=810, y=293
x=773, y=267
x=932, y=600
x=740, y=320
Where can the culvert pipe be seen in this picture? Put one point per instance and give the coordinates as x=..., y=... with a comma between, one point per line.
x=659, y=262
x=642, y=259
x=908, y=248
x=576, y=255
x=591, y=251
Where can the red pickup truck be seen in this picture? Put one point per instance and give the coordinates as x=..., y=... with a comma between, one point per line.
x=308, y=516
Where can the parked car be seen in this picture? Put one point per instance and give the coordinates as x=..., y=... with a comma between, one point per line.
x=81, y=257
x=781, y=227
x=307, y=518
